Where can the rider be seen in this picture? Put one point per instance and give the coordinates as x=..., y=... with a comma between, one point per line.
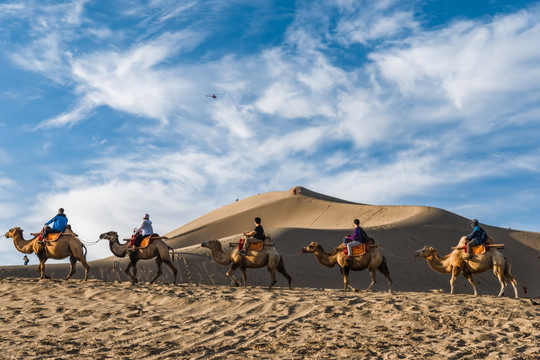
x=144, y=230
x=355, y=239
x=255, y=236
x=59, y=225
x=477, y=237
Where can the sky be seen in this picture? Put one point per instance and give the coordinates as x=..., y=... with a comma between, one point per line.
x=105, y=108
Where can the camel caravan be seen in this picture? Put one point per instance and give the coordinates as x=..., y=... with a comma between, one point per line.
x=474, y=254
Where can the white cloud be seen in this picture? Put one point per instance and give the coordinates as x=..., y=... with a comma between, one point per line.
x=471, y=64
x=365, y=22
x=131, y=82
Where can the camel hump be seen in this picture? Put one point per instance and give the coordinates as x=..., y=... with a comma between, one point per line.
x=268, y=241
x=68, y=230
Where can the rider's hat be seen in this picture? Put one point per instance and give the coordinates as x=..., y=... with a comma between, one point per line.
x=146, y=216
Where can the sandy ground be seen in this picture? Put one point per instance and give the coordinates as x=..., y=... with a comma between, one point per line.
x=50, y=319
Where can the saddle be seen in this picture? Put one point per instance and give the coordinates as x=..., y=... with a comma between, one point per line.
x=53, y=236
x=258, y=246
x=147, y=240
x=478, y=249
x=356, y=250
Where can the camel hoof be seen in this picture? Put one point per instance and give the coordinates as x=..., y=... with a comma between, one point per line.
x=356, y=290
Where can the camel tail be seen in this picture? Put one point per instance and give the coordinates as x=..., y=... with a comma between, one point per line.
x=173, y=259
x=85, y=250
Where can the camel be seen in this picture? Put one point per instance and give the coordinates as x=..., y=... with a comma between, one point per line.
x=268, y=257
x=67, y=245
x=156, y=249
x=371, y=260
x=455, y=263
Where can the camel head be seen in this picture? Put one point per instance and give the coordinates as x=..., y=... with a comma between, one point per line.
x=211, y=244
x=425, y=252
x=12, y=232
x=111, y=235
x=311, y=248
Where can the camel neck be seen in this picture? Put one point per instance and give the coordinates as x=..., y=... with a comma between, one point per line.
x=219, y=256
x=326, y=259
x=24, y=246
x=440, y=264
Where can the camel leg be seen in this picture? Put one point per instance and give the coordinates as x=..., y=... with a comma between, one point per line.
x=173, y=268
x=159, y=271
x=372, y=273
x=345, y=271
x=81, y=256
x=73, y=267
x=472, y=282
x=272, y=271
x=170, y=264
x=383, y=269
x=455, y=274
x=79, y=253
x=281, y=269
x=86, y=268
x=230, y=275
x=244, y=275
x=133, y=277
x=509, y=276
x=41, y=268
x=498, y=271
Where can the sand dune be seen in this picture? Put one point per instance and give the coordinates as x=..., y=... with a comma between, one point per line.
x=204, y=317
x=293, y=221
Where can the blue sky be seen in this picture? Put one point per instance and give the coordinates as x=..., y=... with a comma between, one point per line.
x=104, y=108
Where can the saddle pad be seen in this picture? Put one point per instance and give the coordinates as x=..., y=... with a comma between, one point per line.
x=53, y=236
x=356, y=250
x=479, y=249
x=146, y=241
x=258, y=246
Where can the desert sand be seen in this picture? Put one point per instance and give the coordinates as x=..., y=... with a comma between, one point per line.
x=203, y=316
x=115, y=320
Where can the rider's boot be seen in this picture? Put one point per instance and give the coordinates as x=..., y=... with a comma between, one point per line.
x=469, y=251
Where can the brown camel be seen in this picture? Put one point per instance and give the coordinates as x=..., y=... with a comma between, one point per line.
x=268, y=257
x=67, y=245
x=371, y=260
x=455, y=263
x=157, y=249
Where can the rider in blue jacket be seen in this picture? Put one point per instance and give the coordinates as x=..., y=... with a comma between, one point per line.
x=59, y=224
x=477, y=237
